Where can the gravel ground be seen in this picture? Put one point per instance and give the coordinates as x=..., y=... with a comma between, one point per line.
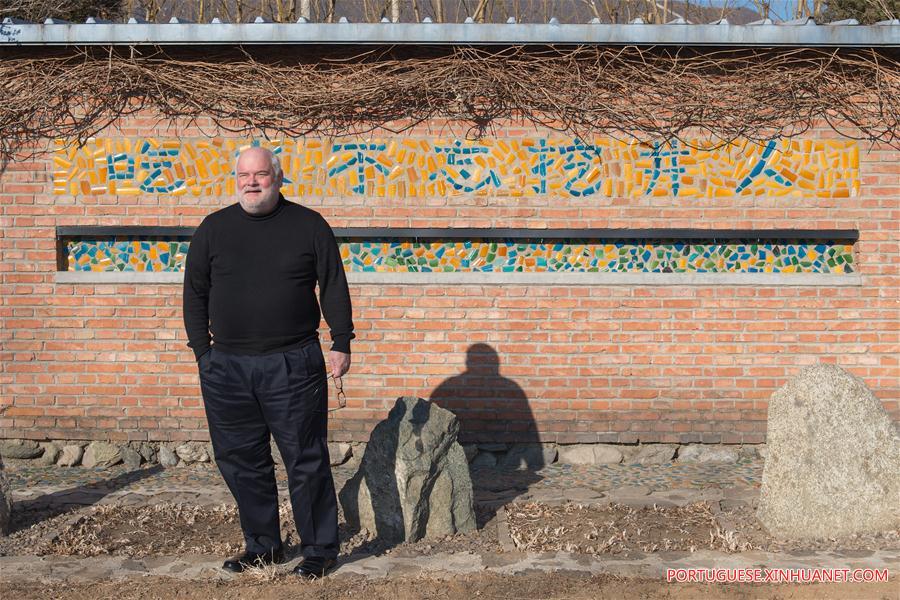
x=555, y=586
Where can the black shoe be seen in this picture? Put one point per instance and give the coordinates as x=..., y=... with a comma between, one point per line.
x=313, y=567
x=238, y=564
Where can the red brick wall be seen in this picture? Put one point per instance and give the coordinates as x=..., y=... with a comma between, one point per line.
x=616, y=363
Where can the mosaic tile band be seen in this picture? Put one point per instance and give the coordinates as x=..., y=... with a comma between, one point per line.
x=575, y=256
x=435, y=167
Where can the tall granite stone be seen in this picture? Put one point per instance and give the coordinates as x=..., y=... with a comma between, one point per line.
x=832, y=459
x=413, y=481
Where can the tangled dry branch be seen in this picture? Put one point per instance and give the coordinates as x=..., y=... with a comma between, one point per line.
x=647, y=94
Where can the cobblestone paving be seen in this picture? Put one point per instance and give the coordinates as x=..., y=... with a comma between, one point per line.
x=197, y=477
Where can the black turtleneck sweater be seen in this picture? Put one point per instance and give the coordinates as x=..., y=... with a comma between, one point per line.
x=249, y=284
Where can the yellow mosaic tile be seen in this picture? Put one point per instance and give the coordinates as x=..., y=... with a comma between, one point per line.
x=518, y=167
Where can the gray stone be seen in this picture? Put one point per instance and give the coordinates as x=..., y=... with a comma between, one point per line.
x=654, y=454
x=50, y=453
x=357, y=449
x=582, y=495
x=484, y=460
x=413, y=481
x=5, y=501
x=549, y=496
x=167, y=456
x=19, y=449
x=131, y=457
x=101, y=455
x=628, y=451
x=529, y=456
x=470, y=451
x=339, y=452
x=628, y=491
x=762, y=451
x=192, y=452
x=683, y=497
x=708, y=453
x=749, y=452
x=833, y=459
x=70, y=456
x=590, y=454
x=147, y=451
x=647, y=502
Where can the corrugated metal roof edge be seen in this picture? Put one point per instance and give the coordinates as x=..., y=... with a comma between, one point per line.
x=800, y=33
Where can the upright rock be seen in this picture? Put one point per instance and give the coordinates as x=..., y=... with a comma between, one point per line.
x=413, y=481
x=832, y=459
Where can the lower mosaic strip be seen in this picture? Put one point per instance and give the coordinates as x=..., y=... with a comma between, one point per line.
x=126, y=253
x=131, y=253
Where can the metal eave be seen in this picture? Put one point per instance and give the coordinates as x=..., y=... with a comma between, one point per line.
x=189, y=34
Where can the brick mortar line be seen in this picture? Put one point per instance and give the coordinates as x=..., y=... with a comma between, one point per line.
x=491, y=278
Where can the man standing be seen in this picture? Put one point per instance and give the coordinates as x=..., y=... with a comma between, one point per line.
x=251, y=317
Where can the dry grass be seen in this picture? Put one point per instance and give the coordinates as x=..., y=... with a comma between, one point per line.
x=172, y=529
x=617, y=528
x=261, y=573
x=165, y=529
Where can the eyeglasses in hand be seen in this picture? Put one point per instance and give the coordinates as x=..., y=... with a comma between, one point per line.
x=342, y=399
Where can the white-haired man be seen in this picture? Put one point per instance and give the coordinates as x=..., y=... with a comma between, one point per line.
x=252, y=319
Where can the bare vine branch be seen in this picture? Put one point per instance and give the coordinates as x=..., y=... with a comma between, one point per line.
x=627, y=93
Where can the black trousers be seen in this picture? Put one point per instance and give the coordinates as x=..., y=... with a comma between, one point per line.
x=285, y=394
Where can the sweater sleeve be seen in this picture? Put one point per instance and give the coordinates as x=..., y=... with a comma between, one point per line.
x=334, y=295
x=196, y=292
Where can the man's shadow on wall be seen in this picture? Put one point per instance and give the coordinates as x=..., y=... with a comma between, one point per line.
x=494, y=414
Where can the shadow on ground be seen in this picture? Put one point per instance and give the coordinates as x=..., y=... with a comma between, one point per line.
x=26, y=513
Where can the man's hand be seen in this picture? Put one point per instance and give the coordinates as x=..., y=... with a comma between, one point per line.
x=339, y=363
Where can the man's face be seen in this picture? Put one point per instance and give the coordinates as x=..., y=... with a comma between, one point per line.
x=257, y=183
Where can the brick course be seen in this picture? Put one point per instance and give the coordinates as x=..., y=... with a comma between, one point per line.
x=610, y=363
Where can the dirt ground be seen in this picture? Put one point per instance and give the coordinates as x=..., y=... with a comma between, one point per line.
x=621, y=529
x=532, y=586
x=171, y=529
